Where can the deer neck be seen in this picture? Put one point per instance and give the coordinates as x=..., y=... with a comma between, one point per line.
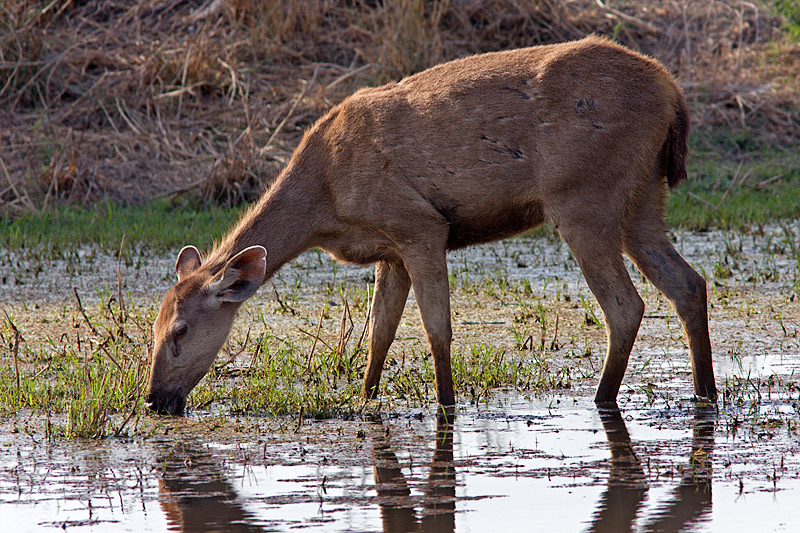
x=286, y=221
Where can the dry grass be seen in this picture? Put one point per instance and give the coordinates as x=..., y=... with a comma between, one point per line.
x=133, y=100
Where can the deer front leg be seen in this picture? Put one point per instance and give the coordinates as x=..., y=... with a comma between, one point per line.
x=391, y=291
x=428, y=271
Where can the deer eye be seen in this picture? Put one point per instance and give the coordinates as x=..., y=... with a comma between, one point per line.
x=181, y=331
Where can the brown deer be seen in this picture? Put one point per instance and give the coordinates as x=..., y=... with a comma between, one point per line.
x=580, y=135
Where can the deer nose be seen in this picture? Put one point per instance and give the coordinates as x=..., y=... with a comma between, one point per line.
x=166, y=402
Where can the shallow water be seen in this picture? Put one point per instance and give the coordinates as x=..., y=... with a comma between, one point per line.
x=558, y=463
x=555, y=464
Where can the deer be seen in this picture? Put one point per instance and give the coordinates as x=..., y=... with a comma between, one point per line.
x=586, y=135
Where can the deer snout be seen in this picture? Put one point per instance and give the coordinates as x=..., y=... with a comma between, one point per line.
x=166, y=402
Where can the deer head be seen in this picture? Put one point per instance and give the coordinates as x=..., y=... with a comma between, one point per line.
x=194, y=321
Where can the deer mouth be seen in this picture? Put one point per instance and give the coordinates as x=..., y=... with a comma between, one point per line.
x=167, y=403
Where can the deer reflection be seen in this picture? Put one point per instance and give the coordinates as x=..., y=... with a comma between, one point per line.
x=195, y=496
x=397, y=506
x=627, y=486
x=691, y=499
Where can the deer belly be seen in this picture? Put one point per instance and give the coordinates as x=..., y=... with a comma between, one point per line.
x=467, y=229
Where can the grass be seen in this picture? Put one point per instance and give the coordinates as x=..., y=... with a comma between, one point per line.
x=760, y=186
x=82, y=369
x=285, y=378
x=157, y=226
x=87, y=379
x=90, y=379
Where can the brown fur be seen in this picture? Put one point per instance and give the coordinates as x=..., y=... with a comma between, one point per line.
x=579, y=134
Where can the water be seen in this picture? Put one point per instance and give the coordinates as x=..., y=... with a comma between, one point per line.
x=516, y=464
x=554, y=464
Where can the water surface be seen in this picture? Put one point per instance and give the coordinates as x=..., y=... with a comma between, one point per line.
x=553, y=464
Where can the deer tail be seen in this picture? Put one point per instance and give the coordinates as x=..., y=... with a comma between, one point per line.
x=675, y=147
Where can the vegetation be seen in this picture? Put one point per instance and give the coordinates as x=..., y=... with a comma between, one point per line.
x=145, y=125
x=80, y=380
x=736, y=194
x=80, y=368
x=85, y=370
x=154, y=227
x=127, y=101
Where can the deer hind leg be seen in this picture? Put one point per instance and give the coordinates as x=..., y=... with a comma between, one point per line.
x=651, y=251
x=391, y=291
x=427, y=267
x=598, y=253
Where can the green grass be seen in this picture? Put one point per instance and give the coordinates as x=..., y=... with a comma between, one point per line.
x=90, y=382
x=736, y=191
x=157, y=226
x=286, y=378
x=789, y=10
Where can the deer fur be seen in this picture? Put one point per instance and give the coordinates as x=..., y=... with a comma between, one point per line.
x=581, y=135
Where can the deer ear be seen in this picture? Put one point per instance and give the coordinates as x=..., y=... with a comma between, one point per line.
x=242, y=276
x=188, y=261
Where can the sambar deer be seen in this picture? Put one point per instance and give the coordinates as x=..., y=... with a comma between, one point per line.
x=580, y=134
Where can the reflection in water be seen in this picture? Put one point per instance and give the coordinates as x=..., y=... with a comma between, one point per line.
x=195, y=496
x=620, y=503
x=626, y=490
x=691, y=500
x=398, y=513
